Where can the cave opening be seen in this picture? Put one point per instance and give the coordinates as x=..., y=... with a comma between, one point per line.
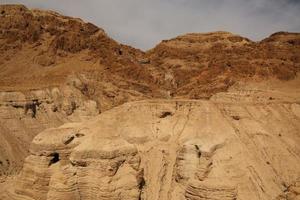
x=165, y=114
x=198, y=151
x=55, y=158
x=142, y=184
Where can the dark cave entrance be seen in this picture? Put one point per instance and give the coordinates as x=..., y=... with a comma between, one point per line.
x=55, y=158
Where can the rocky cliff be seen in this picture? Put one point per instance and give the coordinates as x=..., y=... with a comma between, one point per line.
x=239, y=142
x=24, y=114
x=45, y=47
x=55, y=69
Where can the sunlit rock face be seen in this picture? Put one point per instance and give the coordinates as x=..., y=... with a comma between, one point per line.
x=25, y=114
x=168, y=150
x=64, y=92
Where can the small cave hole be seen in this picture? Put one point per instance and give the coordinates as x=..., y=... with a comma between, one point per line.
x=120, y=52
x=235, y=117
x=165, y=114
x=3, y=12
x=79, y=135
x=69, y=140
x=142, y=183
x=198, y=151
x=55, y=158
x=141, y=186
x=291, y=42
x=33, y=107
x=85, y=89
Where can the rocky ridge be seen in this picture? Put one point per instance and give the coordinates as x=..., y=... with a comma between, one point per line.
x=56, y=69
x=175, y=149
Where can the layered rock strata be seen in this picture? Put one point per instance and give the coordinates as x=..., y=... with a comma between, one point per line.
x=168, y=150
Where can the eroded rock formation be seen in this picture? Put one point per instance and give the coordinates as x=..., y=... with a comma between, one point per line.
x=24, y=114
x=241, y=141
x=169, y=149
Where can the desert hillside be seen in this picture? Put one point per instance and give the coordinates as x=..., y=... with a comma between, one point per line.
x=200, y=116
x=169, y=149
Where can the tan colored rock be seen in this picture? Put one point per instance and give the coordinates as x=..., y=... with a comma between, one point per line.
x=243, y=143
x=24, y=114
x=168, y=149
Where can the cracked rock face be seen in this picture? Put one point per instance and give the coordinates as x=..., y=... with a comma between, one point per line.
x=25, y=114
x=161, y=150
x=242, y=143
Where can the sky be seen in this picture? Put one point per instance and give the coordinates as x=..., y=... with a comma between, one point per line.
x=144, y=23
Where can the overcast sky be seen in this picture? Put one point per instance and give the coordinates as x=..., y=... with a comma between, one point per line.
x=144, y=23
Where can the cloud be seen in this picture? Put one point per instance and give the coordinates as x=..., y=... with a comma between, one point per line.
x=144, y=23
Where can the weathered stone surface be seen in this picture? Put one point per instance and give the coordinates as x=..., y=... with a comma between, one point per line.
x=242, y=142
x=24, y=114
x=195, y=151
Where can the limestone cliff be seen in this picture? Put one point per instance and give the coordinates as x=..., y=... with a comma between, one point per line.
x=24, y=114
x=240, y=141
x=230, y=147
